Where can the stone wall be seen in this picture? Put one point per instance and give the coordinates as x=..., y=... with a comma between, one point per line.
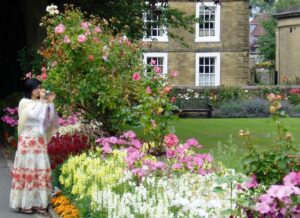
x=233, y=45
x=288, y=48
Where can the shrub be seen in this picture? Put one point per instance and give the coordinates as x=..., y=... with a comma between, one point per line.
x=101, y=75
x=246, y=108
x=271, y=165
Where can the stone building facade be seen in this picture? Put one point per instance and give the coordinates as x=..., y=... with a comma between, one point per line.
x=288, y=46
x=217, y=53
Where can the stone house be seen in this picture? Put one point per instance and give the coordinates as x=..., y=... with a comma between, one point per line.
x=218, y=51
x=288, y=46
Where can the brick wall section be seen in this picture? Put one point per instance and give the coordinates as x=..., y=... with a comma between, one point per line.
x=233, y=47
x=288, y=48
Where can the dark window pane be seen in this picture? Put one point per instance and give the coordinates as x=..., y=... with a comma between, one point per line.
x=206, y=69
x=201, y=61
x=201, y=69
x=206, y=61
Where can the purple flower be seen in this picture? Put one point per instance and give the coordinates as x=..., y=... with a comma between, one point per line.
x=129, y=135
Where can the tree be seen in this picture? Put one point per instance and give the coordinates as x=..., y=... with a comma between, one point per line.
x=267, y=41
x=127, y=16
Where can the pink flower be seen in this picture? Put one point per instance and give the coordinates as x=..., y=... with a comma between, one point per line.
x=170, y=153
x=171, y=140
x=87, y=33
x=81, y=38
x=59, y=29
x=28, y=75
x=173, y=99
x=266, y=198
x=105, y=58
x=136, y=143
x=97, y=29
x=262, y=208
x=192, y=142
x=280, y=191
x=136, y=76
x=153, y=62
x=174, y=73
x=157, y=69
x=252, y=183
x=129, y=135
x=176, y=166
x=148, y=90
x=107, y=149
x=293, y=178
x=113, y=140
x=44, y=76
x=67, y=40
x=294, y=91
x=85, y=25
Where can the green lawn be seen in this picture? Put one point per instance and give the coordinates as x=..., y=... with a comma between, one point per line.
x=214, y=134
x=209, y=132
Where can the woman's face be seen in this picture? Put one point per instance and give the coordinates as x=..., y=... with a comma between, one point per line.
x=36, y=92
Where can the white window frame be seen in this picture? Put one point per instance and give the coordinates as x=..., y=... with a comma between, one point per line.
x=157, y=55
x=163, y=38
x=216, y=55
x=216, y=37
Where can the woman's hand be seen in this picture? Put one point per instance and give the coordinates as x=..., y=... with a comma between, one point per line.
x=51, y=97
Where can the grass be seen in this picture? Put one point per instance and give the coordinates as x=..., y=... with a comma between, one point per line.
x=221, y=136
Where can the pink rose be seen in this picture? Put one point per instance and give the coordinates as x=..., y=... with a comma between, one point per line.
x=44, y=76
x=136, y=76
x=174, y=73
x=171, y=140
x=67, y=39
x=148, y=90
x=81, y=38
x=85, y=25
x=157, y=69
x=59, y=29
x=153, y=62
x=97, y=29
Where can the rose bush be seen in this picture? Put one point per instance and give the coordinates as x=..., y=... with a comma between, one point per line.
x=101, y=75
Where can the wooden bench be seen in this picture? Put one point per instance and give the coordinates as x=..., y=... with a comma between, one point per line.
x=198, y=105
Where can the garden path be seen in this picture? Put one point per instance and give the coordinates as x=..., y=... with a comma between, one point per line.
x=5, y=183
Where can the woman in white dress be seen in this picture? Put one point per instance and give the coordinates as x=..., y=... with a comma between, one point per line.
x=31, y=173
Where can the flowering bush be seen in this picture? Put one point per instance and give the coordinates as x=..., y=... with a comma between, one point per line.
x=9, y=125
x=294, y=96
x=180, y=158
x=103, y=74
x=271, y=165
x=279, y=200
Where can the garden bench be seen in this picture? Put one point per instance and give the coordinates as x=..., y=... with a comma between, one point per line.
x=198, y=105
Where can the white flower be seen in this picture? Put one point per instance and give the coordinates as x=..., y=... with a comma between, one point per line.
x=52, y=9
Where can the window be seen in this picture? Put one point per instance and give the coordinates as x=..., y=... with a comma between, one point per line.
x=208, y=28
x=160, y=60
x=154, y=31
x=207, y=69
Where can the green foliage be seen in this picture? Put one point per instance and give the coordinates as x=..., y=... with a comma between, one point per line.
x=267, y=41
x=126, y=16
x=29, y=60
x=102, y=76
x=271, y=165
x=228, y=93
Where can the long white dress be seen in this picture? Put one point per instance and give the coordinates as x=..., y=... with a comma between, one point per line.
x=31, y=173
